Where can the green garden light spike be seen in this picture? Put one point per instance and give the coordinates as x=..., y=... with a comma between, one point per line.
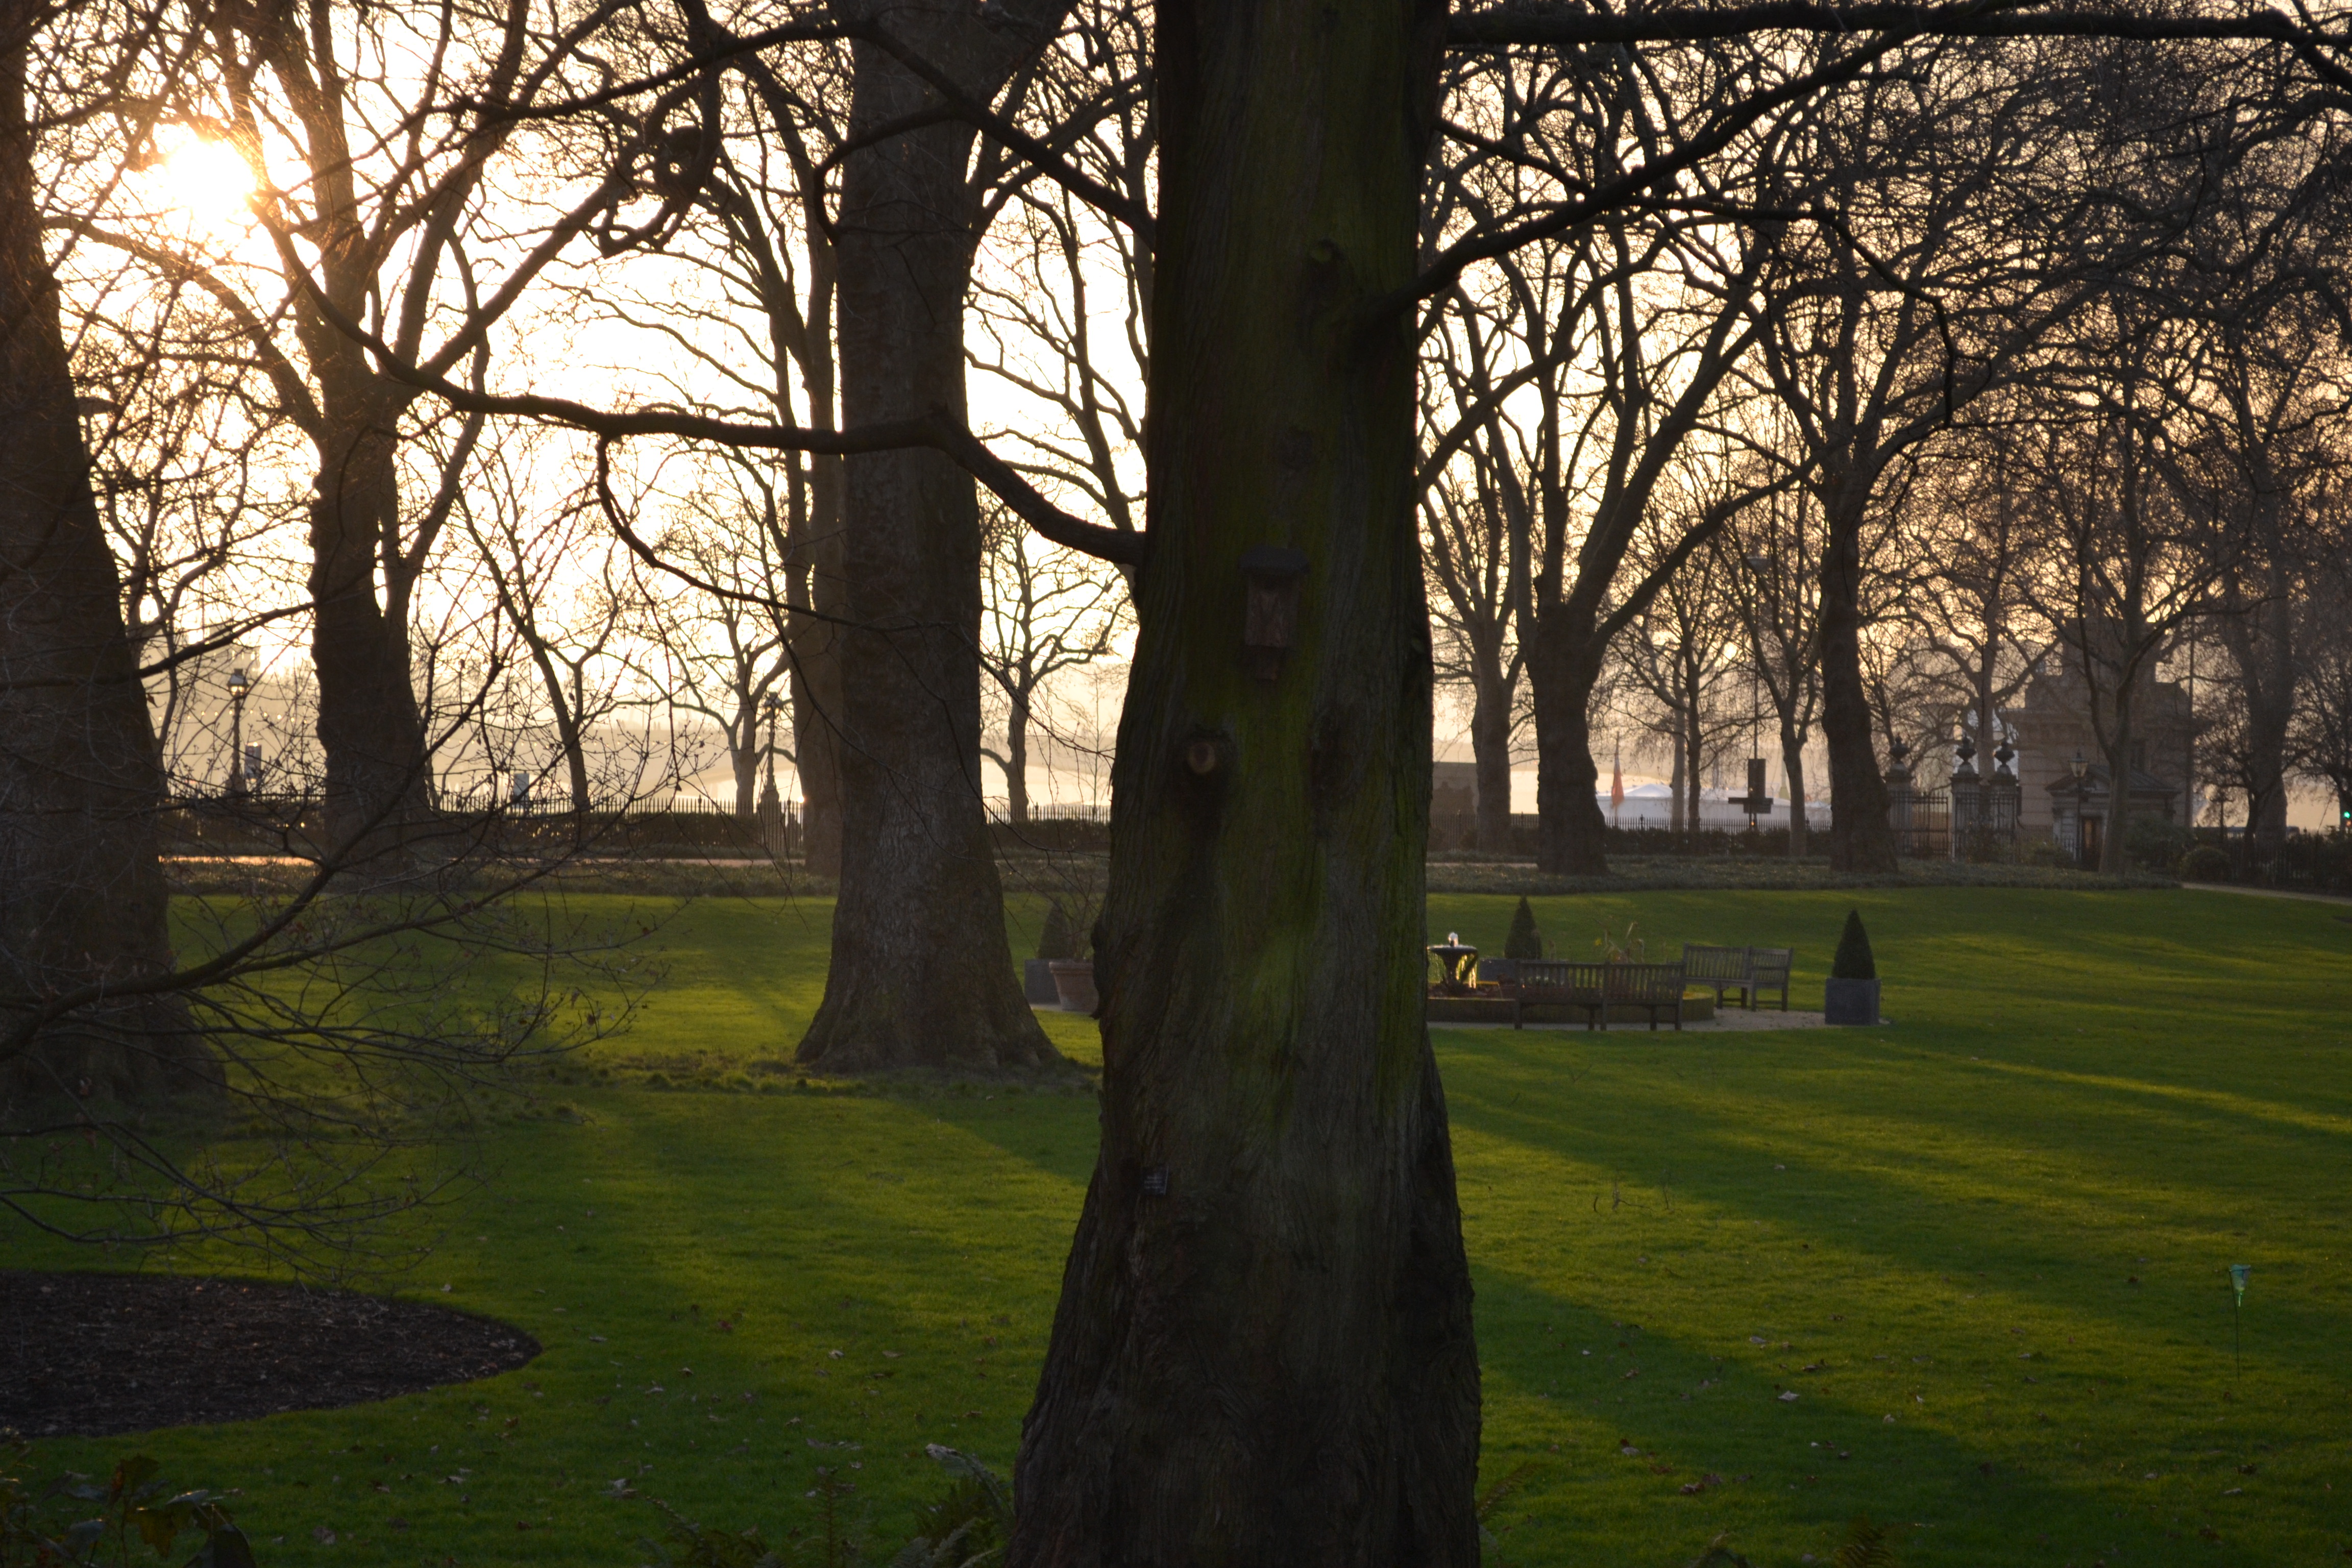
x=2238, y=1275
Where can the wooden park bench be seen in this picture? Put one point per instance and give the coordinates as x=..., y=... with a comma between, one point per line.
x=1597, y=987
x=1747, y=970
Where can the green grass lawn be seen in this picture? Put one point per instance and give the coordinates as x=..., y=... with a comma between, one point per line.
x=1984, y=1246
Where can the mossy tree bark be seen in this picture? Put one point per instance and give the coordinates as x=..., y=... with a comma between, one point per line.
x=81, y=894
x=1263, y=1349
x=920, y=975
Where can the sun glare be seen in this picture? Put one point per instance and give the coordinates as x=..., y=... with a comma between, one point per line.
x=209, y=180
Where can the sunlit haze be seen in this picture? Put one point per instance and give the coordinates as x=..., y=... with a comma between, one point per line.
x=210, y=180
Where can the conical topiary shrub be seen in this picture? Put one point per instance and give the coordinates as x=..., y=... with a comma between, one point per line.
x=1525, y=940
x=1853, y=961
x=1060, y=938
x=1851, y=994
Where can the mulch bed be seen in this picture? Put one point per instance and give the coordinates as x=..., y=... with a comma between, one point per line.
x=90, y=1355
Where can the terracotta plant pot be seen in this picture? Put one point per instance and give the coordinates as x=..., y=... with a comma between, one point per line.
x=1074, y=978
x=1850, y=1002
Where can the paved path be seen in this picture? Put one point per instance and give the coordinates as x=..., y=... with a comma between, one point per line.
x=1730, y=1019
x=2266, y=893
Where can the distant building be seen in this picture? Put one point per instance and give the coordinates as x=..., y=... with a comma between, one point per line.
x=2052, y=725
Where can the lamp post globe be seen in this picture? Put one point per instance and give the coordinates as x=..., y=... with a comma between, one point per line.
x=238, y=686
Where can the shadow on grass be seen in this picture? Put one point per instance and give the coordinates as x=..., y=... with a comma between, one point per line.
x=1710, y=1446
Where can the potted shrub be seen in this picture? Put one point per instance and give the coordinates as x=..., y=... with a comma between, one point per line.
x=1059, y=941
x=1523, y=941
x=1851, y=994
x=1072, y=971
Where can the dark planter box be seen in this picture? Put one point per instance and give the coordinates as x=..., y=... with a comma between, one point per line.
x=1073, y=981
x=1037, y=982
x=1850, y=1002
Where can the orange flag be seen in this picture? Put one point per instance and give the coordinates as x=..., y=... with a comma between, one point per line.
x=1616, y=787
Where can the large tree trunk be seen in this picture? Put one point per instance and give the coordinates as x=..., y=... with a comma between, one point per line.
x=2112, y=856
x=816, y=750
x=1016, y=761
x=743, y=761
x=1572, y=834
x=1792, y=764
x=1264, y=1350
x=1694, y=748
x=1861, y=837
x=816, y=708
x=1678, y=788
x=1490, y=751
x=2260, y=642
x=81, y=895
x=921, y=974
x=814, y=579
x=378, y=777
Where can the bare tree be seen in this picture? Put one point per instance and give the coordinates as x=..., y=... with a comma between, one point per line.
x=1770, y=560
x=1623, y=332
x=1479, y=563
x=1974, y=560
x=1923, y=281
x=2321, y=732
x=2266, y=422
x=754, y=330
x=2126, y=561
x=1043, y=610
x=567, y=619
x=1062, y=313
x=1682, y=652
x=376, y=235
x=727, y=651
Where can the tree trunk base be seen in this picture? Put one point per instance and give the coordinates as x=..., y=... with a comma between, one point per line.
x=877, y=1028
x=142, y=1055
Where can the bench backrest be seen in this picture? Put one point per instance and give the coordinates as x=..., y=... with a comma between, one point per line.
x=1701, y=961
x=1546, y=977
x=1643, y=982
x=1769, y=966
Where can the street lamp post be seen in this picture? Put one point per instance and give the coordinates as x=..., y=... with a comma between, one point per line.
x=772, y=808
x=238, y=687
x=771, y=708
